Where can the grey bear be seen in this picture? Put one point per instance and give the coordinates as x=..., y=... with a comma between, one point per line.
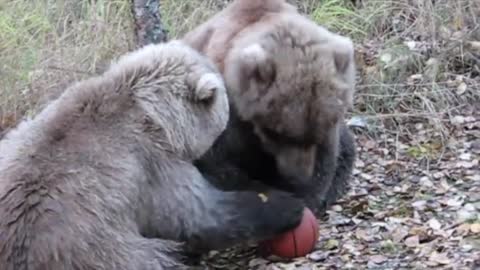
x=102, y=177
x=290, y=83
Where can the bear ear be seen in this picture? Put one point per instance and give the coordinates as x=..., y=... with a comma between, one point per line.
x=206, y=87
x=343, y=55
x=258, y=64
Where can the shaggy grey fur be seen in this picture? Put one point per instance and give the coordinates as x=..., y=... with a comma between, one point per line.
x=102, y=177
x=291, y=82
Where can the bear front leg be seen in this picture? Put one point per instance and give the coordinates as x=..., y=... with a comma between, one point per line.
x=316, y=188
x=343, y=172
x=333, y=168
x=190, y=209
x=233, y=217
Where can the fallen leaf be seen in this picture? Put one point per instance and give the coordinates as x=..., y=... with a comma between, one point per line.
x=369, y=144
x=358, y=121
x=386, y=58
x=458, y=120
x=359, y=163
x=363, y=235
x=474, y=178
x=469, y=207
x=454, y=202
x=463, y=228
x=462, y=88
x=465, y=156
x=424, y=181
x=399, y=234
x=467, y=247
x=421, y=232
x=474, y=45
x=366, y=176
x=475, y=228
x=438, y=175
x=464, y=215
x=337, y=208
x=411, y=44
x=420, y=205
x=412, y=241
x=378, y=259
x=331, y=244
x=439, y=258
x=443, y=187
x=434, y=224
x=318, y=256
x=467, y=164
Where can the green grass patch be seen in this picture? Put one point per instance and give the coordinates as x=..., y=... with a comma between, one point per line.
x=42, y=41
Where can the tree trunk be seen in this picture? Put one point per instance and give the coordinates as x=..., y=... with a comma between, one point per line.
x=148, y=24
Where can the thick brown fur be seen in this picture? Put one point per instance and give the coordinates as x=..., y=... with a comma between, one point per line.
x=290, y=78
x=102, y=177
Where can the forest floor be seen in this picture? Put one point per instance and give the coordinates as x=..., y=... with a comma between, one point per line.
x=415, y=194
x=405, y=210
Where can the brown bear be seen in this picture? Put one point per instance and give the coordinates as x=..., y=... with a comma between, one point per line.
x=102, y=178
x=290, y=83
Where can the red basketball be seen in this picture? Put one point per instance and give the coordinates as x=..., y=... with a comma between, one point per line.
x=297, y=242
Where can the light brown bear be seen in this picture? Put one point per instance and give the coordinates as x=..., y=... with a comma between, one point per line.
x=102, y=177
x=290, y=83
